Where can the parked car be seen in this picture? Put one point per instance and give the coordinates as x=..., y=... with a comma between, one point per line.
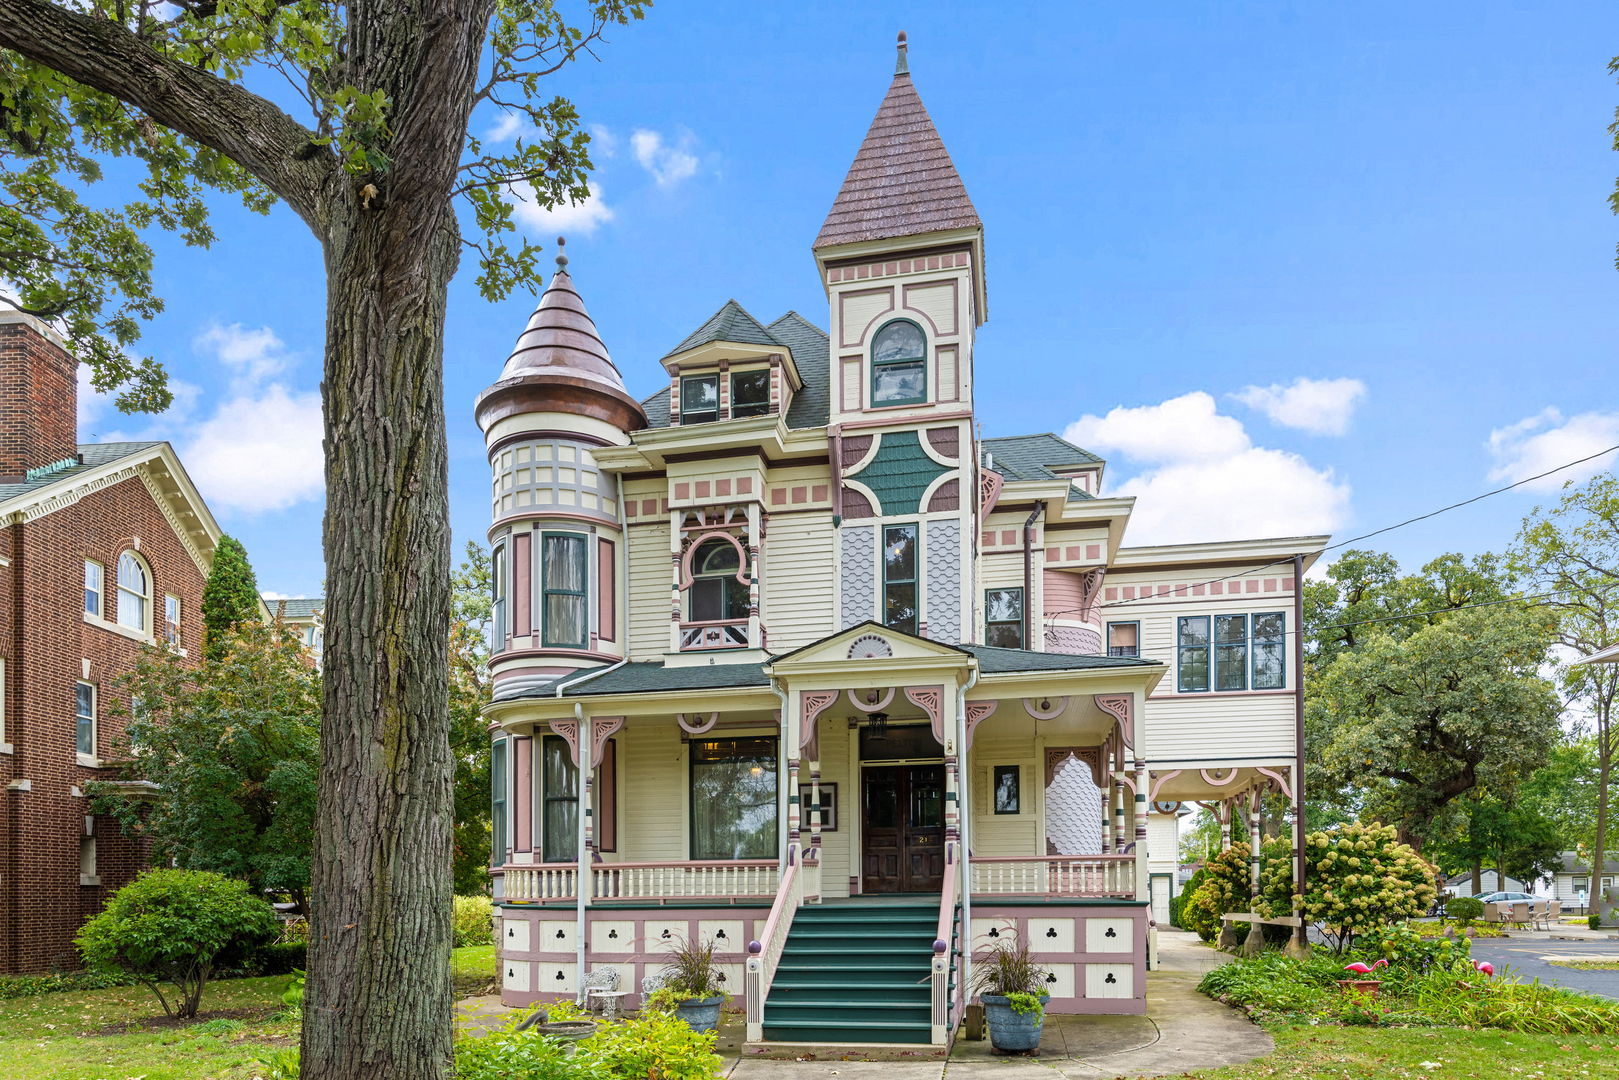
x=1498, y=897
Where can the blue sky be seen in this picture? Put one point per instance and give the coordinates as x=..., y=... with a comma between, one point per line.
x=1189, y=208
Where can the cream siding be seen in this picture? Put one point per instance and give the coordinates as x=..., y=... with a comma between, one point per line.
x=647, y=595
x=651, y=792
x=798, y=604
x=1022, y=833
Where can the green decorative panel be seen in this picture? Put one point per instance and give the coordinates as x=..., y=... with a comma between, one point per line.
x=900, y=473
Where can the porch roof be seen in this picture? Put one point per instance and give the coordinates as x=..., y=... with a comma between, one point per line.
x=995, y=661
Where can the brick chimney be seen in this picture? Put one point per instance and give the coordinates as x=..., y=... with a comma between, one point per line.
x=39, y=396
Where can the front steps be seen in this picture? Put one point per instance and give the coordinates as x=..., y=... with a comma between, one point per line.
x=856, y=971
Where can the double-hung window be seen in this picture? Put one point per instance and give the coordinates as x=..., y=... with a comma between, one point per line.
x=1192, y=653
x=1003, y=618
x=733, y=798
x=1270, y=652
x=899, y=577
x=716, y=592
x=899, y=365
x=497, y=802
x=134, y=592
x=1124, y=639
x=497, y=612
x=750, y=393
x=84, y=714
x=559, y=801
x=699, y=399
x=93, y=586
x=563, y=577
x=171, y=620
x=1231, y=652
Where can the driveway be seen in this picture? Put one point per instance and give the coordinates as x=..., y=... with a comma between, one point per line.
x=1525, y=955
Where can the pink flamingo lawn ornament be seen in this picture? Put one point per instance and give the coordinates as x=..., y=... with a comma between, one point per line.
x=1361, y=969
x=1484, y=966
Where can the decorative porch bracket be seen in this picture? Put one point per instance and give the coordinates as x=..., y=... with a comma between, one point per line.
x=1121, y=708
x=977, y=713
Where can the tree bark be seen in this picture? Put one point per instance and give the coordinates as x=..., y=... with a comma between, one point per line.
x=1602, y=902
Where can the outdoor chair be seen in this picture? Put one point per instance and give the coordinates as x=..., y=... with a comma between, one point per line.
x=1496, y=912
x=1540, y=915
x=601, y=988
x=1520, y=913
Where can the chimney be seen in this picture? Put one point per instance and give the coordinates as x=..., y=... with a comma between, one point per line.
x=39, y=396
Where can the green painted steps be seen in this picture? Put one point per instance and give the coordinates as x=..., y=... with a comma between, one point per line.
x=856, y=972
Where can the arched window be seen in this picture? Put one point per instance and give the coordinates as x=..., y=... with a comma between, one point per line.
x=716, y=594
x=134, y=592
x=899, y=364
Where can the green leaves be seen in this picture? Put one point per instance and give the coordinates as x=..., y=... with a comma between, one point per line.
x=230, y=596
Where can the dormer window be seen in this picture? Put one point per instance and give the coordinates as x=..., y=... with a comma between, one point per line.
x=750, y=393
x=699, y=399
x=899, y=366
x=716, y=592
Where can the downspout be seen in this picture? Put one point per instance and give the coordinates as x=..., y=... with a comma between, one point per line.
x=1028, y=575
x=964, y=818
x=1299, y=870
x=582, y=885
x=782, y=773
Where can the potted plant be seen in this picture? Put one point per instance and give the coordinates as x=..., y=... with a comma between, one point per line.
x=1013, y=989
x=691, y=988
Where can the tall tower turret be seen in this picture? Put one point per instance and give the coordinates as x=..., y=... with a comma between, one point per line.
x=901, y=257
x=557, y=530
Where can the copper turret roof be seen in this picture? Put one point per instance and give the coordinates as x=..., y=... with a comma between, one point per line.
x=560, y=364
x=902, y=182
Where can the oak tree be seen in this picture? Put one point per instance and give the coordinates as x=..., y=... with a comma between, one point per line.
x=353, y=115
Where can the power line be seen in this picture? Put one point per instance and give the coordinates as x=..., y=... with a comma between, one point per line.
x=1181, y=590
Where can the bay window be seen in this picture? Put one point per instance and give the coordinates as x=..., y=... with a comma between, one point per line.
x=1192, y=653
x=563, y=577
x=733, y=798
x=1231, y=652
x=899, y=578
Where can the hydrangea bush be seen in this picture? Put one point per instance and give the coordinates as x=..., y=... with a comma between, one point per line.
x=1225, y=889
x=1361, y=879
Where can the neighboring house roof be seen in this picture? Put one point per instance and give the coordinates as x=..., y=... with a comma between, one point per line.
x=1610, y=655
x=1029, y=457
x=91, y=456
x=730, y=323
x=1503, y=882
x=902, y=181
x=1571, y=863
x=297, y=607
x=811, y=406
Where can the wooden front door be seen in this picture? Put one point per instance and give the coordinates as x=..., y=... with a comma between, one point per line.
x=902, y=828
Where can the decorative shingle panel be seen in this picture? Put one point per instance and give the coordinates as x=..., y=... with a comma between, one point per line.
x=943, y=554
x=1073, y=639
x=900, y=472
x=1073, y=811
x=858, y=587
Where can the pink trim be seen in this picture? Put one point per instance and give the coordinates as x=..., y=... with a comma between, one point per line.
x=930, y=699
x=812, y=703
x=697, y=727
x=686, y=578
x=606, y=589
x=1283, y=779
x=553, y=515
x=523, y=781
x=569, y=730
x=1219, y=694
x=1020, y=919
x=1121, y=708
x=882, y=702
x=931, y=417
x=522, y=585
x=602, y=728
x=977, y=713
x=1054, y=710
x=1159, y=781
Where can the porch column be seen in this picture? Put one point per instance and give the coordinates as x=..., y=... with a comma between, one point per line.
x=754, y=631
x=1298, y=945
x=1117, y=773
x=583, y=887
x=1254, y=943
x=1224, y=812
x=1143, y=782
x=674, y=570
x=1105, y=796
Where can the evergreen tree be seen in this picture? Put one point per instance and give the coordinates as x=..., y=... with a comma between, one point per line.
x=230, y=597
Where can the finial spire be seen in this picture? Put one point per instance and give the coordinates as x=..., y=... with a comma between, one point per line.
x=901, y=66
x=562, y=259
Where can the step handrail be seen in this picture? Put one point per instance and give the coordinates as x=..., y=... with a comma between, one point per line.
x=944, y=936
x=765, y=953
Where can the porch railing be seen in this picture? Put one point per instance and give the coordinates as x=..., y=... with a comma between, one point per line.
x=944, y=949
x=1054, y=875
x=747, y=880
x=765, y=953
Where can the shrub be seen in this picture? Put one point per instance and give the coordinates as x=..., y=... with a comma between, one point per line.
x=281, y=958
x=1362, y=878
x=176, y=926
x=474, y=921
x=653, y=1045
x=1225, y=889
x=1409, y=952
x=1594, y=921
x=21, y=986
x=1177, y=903
x=1464, y=909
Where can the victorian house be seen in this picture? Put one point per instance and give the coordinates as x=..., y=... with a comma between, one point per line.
x=788, y=658
x=104, y=548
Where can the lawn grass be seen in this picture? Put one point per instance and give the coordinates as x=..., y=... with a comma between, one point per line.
x=1586, y=965
x=1348, y=1053
x=120, y=1034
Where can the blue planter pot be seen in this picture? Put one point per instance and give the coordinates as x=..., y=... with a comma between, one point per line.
x=1011, y=1031
x=701, y=1014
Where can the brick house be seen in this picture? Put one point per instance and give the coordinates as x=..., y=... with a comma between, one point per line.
x=103, y=551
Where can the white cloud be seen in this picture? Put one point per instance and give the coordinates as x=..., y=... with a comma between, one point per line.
x=272, y=597
x=259, y=451
x=669, y=163
x=252, y=353
x=507, y=126
x=1546, y=440
x=1203, y=479
x=603, y=141
x=578, y=219
x=92, y=402
x=1319, y=406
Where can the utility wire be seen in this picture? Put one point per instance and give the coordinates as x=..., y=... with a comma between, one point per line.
x=1181, y=590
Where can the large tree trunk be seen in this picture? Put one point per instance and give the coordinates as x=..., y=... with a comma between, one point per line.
x=1602, y=900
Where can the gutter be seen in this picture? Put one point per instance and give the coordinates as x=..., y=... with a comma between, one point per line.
x=1300, y=870
x=1028, y=574
x=581, y=887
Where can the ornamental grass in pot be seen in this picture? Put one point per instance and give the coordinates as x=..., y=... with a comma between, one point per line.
x=1013, y=989
x=691, y=988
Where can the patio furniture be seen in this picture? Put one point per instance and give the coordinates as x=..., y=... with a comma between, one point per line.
x=601, y=989
x=1520, y=913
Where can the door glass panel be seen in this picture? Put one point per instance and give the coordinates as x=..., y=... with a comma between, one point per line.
x=882, y=801
x=927, y=799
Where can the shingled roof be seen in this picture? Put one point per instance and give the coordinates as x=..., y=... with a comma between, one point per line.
x=811, y=406
x=730, y=323
x=902, y=182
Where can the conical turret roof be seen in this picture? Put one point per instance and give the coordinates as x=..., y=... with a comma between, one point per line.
x=561, y=338
x=902, y=182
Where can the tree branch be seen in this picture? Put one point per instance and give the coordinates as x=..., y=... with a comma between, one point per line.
x=218, y=114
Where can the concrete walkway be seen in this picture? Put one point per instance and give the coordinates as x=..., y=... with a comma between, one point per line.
x=1181, y=1030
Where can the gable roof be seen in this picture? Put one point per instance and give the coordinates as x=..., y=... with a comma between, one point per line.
x=811, y=406
x=296, y=607
x=1030, y=457
x=902, y=181
x=730, y=323
x=91, y=456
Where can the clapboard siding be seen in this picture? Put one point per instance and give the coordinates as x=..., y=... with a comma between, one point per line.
x=652, y=793
x=1007, y=834
x=797, y=578
x=1213, y=728
x=648, y=591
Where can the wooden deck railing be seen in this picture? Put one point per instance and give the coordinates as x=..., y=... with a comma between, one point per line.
x=765, y=953
x=740, y=880
x=943, y=952
x=1053, y=876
